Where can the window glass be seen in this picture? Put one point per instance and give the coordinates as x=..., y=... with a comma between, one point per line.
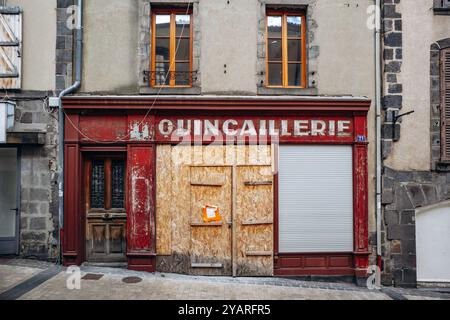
x=183, y=49
x=294, y=74
x=162, y=25
x=294, y=50
x=172, y=50
x=162, y=74
x=285, y=45
x=98, y=184
x=274, y=27
x=275, y=49
x=182, y=23
x=162, y=49
x=182, y=74
x=294, y=26
x=275, y=74
x=118, y=184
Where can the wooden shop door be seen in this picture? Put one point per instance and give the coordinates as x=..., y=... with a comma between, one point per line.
x=106, y=217
x=211, y=243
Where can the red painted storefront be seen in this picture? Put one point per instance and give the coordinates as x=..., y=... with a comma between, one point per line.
x=132, y=126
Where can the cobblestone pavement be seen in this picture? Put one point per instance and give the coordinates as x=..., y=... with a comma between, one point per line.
x=172, y=286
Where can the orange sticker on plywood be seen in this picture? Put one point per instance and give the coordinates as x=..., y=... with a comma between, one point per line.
x=211, y=214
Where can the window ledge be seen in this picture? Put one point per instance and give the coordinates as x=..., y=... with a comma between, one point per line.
x=170, y=91
x=442, y=11
x=287, y=91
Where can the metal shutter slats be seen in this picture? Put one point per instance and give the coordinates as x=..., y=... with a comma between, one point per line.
x=315, y=199
x=445, y=103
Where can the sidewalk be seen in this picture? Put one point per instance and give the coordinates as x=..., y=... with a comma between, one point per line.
x=28, y=279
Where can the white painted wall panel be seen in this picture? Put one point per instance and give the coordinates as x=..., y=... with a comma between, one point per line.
x=315, y=199
x=433, y=244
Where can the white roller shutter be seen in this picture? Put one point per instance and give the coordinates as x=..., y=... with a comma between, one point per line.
x=315, y=199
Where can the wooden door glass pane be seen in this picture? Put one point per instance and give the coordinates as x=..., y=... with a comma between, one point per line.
x=294, y=26
x=295, y=74
x=275, y=49
x=274, y=26
x=118, y=184
x=294, y=50
x=275, y=74
x=182, y=23
x=98, y=184
x=162, y=25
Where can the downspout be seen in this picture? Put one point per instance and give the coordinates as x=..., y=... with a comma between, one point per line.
x=378, y=94
x=76, y=85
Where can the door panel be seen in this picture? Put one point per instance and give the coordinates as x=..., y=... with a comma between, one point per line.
x=211, y=242
x=8, y=201
x=105, y=217
x=254, y=221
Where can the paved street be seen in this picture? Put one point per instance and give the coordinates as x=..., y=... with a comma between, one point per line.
x=32, y=280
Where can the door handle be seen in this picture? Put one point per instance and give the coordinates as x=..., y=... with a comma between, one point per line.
x=107, y=216
x=15, y=209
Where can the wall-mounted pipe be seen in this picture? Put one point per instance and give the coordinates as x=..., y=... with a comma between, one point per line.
x=72, y=88
x=378, y=95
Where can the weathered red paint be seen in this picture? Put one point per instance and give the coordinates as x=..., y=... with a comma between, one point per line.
x=105, y=119
x=140, y=208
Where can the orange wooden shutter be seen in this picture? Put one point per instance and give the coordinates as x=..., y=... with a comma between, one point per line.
x=445, y=103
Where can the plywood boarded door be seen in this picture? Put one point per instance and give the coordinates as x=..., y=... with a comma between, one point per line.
x=210, y=250
x=254, y=221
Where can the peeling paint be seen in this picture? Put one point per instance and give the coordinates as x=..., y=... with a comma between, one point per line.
x=139, y=132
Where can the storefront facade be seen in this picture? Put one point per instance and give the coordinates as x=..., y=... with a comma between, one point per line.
x=140, y=171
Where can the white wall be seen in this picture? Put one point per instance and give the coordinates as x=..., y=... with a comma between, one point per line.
x=39, y=43
x=433, y=243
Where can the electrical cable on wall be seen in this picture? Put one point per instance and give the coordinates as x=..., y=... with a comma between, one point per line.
x=149, y=109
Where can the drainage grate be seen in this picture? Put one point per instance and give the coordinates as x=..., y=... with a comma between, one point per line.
x=92, y=276
x=132, y=280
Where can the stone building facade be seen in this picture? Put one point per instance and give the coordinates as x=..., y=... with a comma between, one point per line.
x=414, y=175
x=33, y=137
x=339, y=51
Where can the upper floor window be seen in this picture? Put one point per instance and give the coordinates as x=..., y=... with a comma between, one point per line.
x=441, y=7
x=171, y=61
x=286, y=49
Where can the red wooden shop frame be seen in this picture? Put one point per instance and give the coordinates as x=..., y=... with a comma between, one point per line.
x=110, y=117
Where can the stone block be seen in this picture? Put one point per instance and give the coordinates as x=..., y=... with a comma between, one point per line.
x=416, y=195
x=38, y=223
x=401, y=232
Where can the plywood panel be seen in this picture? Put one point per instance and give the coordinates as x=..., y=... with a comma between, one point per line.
x=163, y=197
x=189, y=178
x=254, y=221
x=211, y=245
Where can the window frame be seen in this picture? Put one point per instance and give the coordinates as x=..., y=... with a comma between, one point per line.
x=173, y=43
x=284, y=51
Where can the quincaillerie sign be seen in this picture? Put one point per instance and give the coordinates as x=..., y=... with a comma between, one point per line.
x=319, y=129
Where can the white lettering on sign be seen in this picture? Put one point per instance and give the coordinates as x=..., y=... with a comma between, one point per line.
x=250, y=128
